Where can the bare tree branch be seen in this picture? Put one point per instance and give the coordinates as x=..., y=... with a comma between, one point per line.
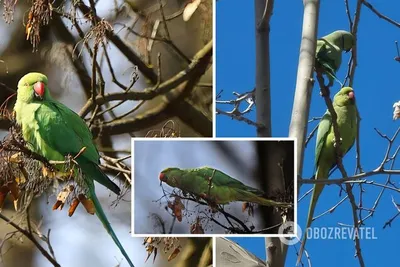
x=263, y=13
x=380, y=15
x=305, y=81
x=30, y=236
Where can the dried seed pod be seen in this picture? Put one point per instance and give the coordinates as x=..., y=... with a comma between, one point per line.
x=72, y=208
x=150, y=249
x=174, y=254
x=14, y=190
x=87, y=203
x=196, y=227
x=3, y=194
x=58, y=205
x=245, y=205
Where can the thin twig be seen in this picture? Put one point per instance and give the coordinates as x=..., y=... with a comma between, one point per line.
x=380, y=15
x=31, y=238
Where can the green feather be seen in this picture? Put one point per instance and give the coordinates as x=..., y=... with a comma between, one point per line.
x=215, y=185
x=329, y=52
x=103, y=218
x=325, y=152
x=54, y=131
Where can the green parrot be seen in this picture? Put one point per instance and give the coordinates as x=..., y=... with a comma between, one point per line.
x=329, y=52
x=215, y=186
x=54, y=131
x=325, y=151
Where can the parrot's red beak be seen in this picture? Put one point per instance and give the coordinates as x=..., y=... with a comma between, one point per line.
x=162, y=178
x=39, y=89
x=351, y=95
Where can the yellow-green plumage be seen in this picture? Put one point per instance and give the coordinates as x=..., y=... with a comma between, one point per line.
x=54, y=131
x=215, y=186
x=325, y=151
x=329, y=50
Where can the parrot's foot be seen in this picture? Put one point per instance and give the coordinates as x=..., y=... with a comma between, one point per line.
x=57, y=174
x=48, y=173
x=210, y=202
x=206, y=197
x=66, y=175
x=336, y=143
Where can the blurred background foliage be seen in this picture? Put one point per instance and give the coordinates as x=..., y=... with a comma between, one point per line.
x=156, y=68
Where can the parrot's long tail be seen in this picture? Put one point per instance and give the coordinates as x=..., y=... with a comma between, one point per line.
x=331, y=72
x=93, y=171
x=268, y=202
x=102, y=217
x=251, y=197
x=313, y=202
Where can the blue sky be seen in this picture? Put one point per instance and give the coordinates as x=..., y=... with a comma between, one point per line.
x=376, y=87
x=253, y=244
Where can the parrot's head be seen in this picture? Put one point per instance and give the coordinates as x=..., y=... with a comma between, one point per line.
x=346, y=41
x=170, y=176
x=343, y=39
x=344, y=97
x=33, y=88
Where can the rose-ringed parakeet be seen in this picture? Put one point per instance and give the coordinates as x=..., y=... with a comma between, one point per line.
x=54, y=131
x=215, y=186
x=329, y=52
x=325, y=150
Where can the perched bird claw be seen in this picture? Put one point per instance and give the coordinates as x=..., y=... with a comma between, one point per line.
x=48, y=173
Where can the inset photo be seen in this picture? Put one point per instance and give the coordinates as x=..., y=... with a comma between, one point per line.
x=206, y=187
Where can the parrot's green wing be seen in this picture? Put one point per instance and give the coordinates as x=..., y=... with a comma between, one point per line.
x=329, y=52
x=79, y=127
x=215, y=186
x=325, y=151
x=328, y=55
x=329, y=58
x=323, y=130
x=58, y=134
x=220, y=178
x=66, y=133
